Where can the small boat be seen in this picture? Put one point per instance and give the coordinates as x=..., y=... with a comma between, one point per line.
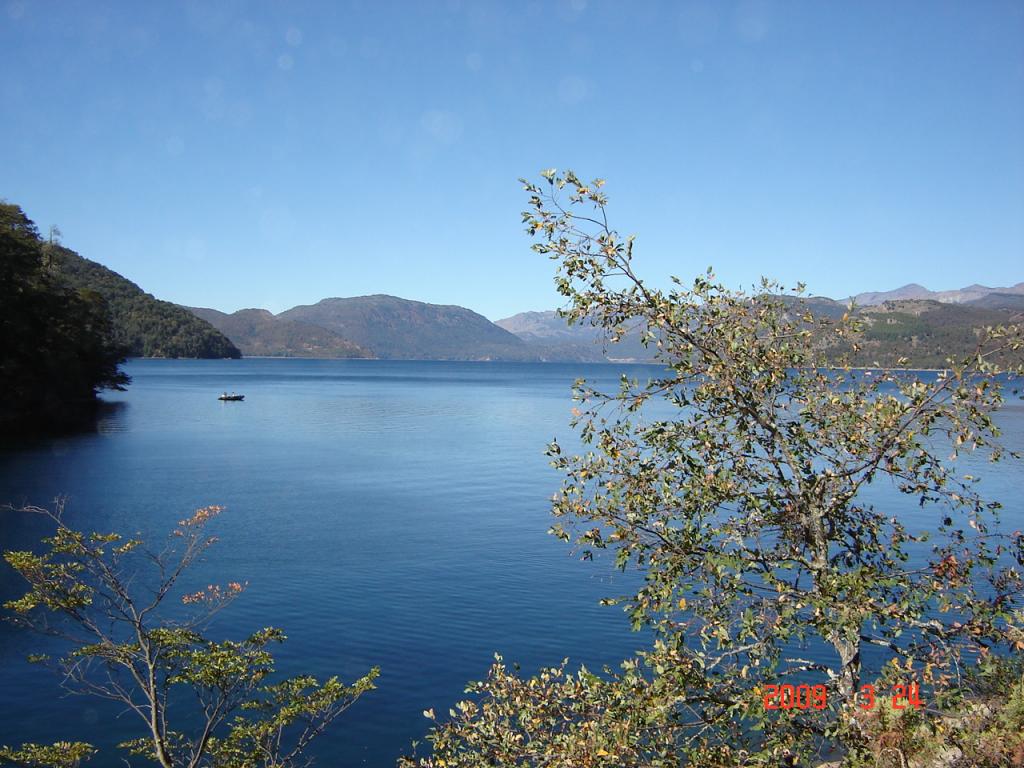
x=232, y=397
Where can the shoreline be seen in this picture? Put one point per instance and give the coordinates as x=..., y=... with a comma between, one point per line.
x=622, y=361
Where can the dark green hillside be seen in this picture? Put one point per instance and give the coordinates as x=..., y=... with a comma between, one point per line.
x=396, y=328
x=1012, y=302
x=56, y=343
x=257, y=332
x=925, y=332
x=145, y=326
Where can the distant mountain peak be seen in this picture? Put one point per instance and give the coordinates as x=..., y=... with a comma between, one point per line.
x=917, y=291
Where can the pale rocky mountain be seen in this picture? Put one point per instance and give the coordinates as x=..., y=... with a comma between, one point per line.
x=975, y=291
x=909, y=291
x=915, y=291
x=546, y=327
x=554, y=339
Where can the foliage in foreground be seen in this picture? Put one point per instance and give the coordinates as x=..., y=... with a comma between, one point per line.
x=627, y=719
x=556, y=718
x=199, y=703
x=983, y=727
x=61, y=754
x=741, y=483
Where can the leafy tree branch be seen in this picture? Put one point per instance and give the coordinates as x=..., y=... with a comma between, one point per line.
x=107, y=597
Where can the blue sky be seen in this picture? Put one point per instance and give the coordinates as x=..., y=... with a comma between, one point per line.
x=232, y=154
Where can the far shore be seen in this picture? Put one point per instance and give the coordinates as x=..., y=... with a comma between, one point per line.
x=612, y=361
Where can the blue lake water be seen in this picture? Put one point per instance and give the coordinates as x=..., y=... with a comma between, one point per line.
x=383, y=513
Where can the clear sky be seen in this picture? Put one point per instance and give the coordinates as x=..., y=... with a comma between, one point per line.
x=241, y=154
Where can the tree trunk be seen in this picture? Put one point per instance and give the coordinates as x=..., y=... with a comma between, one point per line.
x=843, y=639
x=849, y=667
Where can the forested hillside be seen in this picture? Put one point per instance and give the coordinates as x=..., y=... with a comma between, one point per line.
x=57, y=346
x=145, y=326
x=924, y=332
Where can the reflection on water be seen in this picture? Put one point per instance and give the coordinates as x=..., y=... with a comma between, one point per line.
x=104, y=415
x=111, y=417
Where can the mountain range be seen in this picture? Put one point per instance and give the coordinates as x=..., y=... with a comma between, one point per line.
x=906, y=323
x=370, y=326
x=909, y=322
x=968, y=295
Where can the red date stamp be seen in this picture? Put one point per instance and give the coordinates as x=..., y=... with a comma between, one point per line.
x=795, y=697
x=903, y=697
x=788, y=696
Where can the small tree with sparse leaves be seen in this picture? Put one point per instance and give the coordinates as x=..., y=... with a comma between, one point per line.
x=735, y=482
x=106, y=596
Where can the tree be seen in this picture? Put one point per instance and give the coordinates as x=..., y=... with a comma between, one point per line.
x=735, y=482
x=92, y=591
x=56, y=345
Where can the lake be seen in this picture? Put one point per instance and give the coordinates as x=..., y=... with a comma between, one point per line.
x=385, y=513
